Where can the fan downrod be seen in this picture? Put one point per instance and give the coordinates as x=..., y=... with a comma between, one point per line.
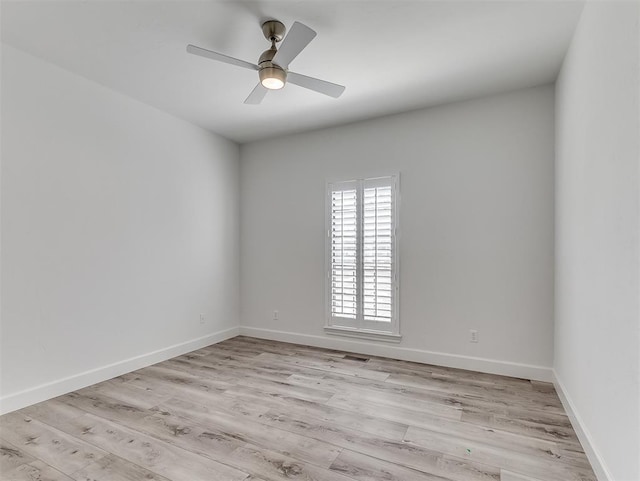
x=273, y=30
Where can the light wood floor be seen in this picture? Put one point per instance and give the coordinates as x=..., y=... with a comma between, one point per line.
x=248, y=409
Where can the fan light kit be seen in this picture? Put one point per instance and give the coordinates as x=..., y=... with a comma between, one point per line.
x=273, y=64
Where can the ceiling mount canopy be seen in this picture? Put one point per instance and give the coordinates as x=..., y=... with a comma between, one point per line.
x=274, y=30
x=274, y=62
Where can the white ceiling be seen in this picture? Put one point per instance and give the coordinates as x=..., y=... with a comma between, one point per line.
x=391, y=55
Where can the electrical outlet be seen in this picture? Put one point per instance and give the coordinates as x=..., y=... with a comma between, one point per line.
x=201, y=318
x=473, y=335
x=275, y=315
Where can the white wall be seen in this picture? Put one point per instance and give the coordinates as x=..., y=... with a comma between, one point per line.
x=597, y=331
x=476, y=229
x=119, y=227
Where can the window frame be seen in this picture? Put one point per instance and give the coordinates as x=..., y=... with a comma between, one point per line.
x=359, y=327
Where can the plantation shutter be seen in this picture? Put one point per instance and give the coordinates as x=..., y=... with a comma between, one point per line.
x=344, y=251
x=377, y=245
x=362, y=270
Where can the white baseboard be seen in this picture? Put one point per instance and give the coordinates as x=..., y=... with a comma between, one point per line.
x=52, y=389
x=491, y=366
x=597, y=463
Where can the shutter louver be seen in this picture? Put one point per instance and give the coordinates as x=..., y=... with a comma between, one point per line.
x=377, y=243
x=344, y=253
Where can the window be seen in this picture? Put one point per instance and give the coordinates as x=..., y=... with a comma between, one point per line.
x=362, y=271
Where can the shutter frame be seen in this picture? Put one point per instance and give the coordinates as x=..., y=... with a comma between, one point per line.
x=377, y=291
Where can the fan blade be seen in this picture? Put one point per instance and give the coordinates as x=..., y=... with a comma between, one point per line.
x=311, y=83
x=256, y=95
x=296, y=40
x=203, y=52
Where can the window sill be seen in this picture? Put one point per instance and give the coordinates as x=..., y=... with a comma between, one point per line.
x=363, y=334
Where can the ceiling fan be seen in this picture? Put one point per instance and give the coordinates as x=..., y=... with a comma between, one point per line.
x=273, y=64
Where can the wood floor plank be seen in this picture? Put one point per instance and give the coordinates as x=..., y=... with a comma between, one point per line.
x=160, y=425
x=151, y=453
x=250, y=409
x=260, y=367
x=184, y=379
x=545, y=387
x=114, y=468
x=103, y=406
x=358, y=420
x=274, y=347
x=387, y=398
x=286, y=388
x=168, y=383
x=423, y=399
x=228, y=404
x=399, y=414
x=127, y=393
x=249, y=352
x=331, y=365
x=48, y=444
x=54, y=412
x=409, y=367
x=196, y=438
x=35, y=471
x=510, y=476
x=526, y=425
x=290, y=444
x=530, y=399
x=458, y=428
x=227, y=369
x=535, y=462
x=416, y=457
x=365, y=468
x=12, y=456
x=273, y=466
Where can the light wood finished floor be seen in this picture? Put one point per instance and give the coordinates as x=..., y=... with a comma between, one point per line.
x=254, y=410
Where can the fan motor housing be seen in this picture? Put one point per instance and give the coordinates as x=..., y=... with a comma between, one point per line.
x=267, y=55
x=270, y=70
